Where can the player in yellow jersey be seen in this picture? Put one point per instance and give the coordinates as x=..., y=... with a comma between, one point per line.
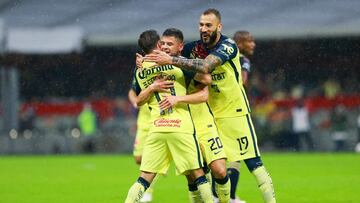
x=219, y=55
x=206, y=130
x=171, y=134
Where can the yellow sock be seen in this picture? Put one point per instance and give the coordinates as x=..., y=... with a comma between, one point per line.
x=195, y=196
x=223, y=191
x=265, y=184
x=135, y=193
x=205, y=192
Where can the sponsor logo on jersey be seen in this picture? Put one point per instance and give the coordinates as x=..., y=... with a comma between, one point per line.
x=163, y=122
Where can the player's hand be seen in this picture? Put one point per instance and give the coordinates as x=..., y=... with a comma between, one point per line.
x=139, y=60
x=161, y=85
x=168, y=102
x=159, y=57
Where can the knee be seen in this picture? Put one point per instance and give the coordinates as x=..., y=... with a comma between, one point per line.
x=218, y=169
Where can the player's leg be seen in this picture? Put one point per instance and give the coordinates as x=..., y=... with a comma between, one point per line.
x=202, y=184
x=233, y=173
x=185, y=150
x=214, y=154
x=137, y=190
x=237, y=147
x=221, y=180
x=139, y=143
x=194, y=193
x=263, y=178
x=257, y=168
x=155, y=159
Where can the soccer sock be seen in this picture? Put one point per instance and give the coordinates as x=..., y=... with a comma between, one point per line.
x=233, y=174
x=204, y=189
x=222, y=187
x=137, y=190
x=194, y=193
x=265, y=184
x=213, y=186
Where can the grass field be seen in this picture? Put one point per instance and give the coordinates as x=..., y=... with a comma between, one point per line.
x=310, y=178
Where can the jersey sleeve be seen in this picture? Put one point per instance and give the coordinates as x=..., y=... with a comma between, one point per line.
x=245, y=64
x=227, y=50
x=134, y=83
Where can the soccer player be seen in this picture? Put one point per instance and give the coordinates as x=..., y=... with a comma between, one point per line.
x=219, y=55
x=246, y=45
x=206, y=130
x=171, y=134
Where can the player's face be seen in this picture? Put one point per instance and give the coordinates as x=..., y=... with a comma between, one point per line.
x=247, y=46
x=209, y=28
x=171, y=45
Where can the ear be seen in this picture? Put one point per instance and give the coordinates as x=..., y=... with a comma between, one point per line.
x=181, y=47
x=158, y=45
x=219, y=27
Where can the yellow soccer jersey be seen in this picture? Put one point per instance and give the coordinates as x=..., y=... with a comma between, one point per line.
x=201, y=114
x=227, y=97
x=176, y=119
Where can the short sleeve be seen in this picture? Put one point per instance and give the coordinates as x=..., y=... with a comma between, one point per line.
x=245, y=64
x=226, y=50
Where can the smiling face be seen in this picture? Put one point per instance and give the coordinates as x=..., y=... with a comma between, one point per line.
x=171, y=45
x=209, y=28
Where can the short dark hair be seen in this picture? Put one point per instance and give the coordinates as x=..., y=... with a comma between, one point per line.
x=212, y=11
x=148, y=40
x=174, y=32
x=241, y=35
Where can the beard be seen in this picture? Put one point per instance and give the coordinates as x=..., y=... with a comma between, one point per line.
x=211, y=39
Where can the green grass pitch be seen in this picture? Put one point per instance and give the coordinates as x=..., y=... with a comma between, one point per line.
x=297, y=177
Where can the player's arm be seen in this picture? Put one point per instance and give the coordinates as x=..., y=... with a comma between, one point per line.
x=197, y=97
x=157, y=86
x=202, y=78
x=245, y=69
x=132, y=98
x=244, y=76
x=206, y=65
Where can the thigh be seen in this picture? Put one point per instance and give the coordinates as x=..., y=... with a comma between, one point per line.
x=238, y=137
x=156, y=155
x=211, y=145
x=185, y=151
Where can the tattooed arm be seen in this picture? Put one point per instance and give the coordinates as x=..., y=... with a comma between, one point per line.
x=206, y=65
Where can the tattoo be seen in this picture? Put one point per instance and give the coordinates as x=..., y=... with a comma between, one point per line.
x=206, y=65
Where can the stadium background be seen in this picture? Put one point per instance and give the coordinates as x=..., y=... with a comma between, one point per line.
x=58, y=56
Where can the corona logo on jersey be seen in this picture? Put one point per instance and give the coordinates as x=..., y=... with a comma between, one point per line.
x=149, y=71
x=163, y=122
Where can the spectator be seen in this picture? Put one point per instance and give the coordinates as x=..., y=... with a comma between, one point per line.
x=339, y=128
x=87, y=122
x=301, y=127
